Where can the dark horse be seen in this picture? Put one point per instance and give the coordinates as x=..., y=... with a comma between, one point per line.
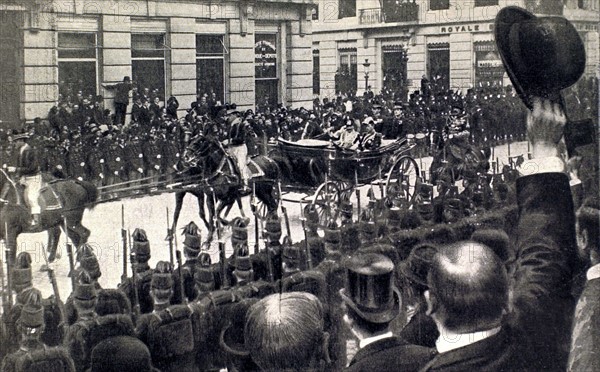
x=63, y=201
x=207, y=164
x=453, y=157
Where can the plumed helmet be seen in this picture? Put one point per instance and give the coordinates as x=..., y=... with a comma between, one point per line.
x=21, y=273
x=140, y=245
x=192, y=241
x=32, y=312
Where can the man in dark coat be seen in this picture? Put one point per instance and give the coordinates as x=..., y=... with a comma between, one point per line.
x=372, y=302
x=121, y=98
x=584, y=355
x=486, y=330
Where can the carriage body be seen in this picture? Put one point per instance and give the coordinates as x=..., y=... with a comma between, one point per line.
x=335, y=173
x=314, y=161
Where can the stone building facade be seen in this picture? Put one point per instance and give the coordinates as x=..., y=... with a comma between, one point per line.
x=242, y=51
x=393, y=43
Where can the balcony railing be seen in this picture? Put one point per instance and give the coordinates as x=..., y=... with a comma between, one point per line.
x=404, y=12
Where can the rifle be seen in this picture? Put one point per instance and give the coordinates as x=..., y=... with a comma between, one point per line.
x=255, y=212
x=136, y=298
x=52, y=278
x=271, y=275
x=306, y=245
x=71, y=259
x=288, y=239
x=170, y=238
x=222, y=256
x=184, y=299
x=124, y=244
x=358, y=202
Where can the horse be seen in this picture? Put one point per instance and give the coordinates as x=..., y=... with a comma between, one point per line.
x=63, y=202
x=219, y=181
x=454, y=157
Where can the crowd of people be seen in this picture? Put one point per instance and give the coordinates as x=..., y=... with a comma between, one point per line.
x=82, y=139
x=395, y=289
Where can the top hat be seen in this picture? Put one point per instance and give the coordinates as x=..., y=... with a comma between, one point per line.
x=370, y=292
x=126, y=78
x=542, y=55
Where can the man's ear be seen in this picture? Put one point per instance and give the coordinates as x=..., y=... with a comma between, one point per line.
x=430, y=306
x=325, y=346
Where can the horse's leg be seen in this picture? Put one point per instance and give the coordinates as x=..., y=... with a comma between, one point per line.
x=178, y=204
x=75, y=230
x=210, y=203
x=53, y=237
x=200, y=196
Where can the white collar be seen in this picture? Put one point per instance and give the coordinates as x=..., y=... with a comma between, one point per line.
x=369, y=340
x=593, y=272
x=449, y=340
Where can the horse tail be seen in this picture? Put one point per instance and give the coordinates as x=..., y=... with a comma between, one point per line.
x=91, y=191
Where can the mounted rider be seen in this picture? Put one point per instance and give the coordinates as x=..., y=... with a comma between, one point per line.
x=237, y=145
x=25, y=167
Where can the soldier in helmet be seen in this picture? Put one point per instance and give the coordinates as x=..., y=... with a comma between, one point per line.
x=162, y=291
x=191, y=250
x=141, y=249
x=31, y=326
x=52, y=332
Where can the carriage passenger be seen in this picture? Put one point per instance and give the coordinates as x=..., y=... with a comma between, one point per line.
x=347, y=136
x=370, y=139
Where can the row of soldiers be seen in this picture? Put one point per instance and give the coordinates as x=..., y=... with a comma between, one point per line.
x=191, y=316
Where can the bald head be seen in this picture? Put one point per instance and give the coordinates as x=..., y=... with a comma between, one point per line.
x=283, y=331
x=468, y=287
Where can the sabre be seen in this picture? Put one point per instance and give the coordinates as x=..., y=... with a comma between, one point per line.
x=380, y=181
x=222, y=255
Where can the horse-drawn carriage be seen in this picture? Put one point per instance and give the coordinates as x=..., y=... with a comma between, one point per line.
x=333, y=172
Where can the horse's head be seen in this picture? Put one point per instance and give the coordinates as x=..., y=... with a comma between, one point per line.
x=196, y=150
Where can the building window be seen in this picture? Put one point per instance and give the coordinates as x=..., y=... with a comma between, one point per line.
x=346, y=78
x=439, y=4
x=77, y=64
x=439, y=66
x=394, y=71
x=488, y=65
x=316, y=72
x=210, y=66
x=486, y=2
x=148, y=64
x=265, y=65
x=346, y=8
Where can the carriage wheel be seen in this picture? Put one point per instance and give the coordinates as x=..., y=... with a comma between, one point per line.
x=327, y=201
x=346, y=189
x=261, y=207
x=404, y=173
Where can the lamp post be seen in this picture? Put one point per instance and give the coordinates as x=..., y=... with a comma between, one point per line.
x=366, y=66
